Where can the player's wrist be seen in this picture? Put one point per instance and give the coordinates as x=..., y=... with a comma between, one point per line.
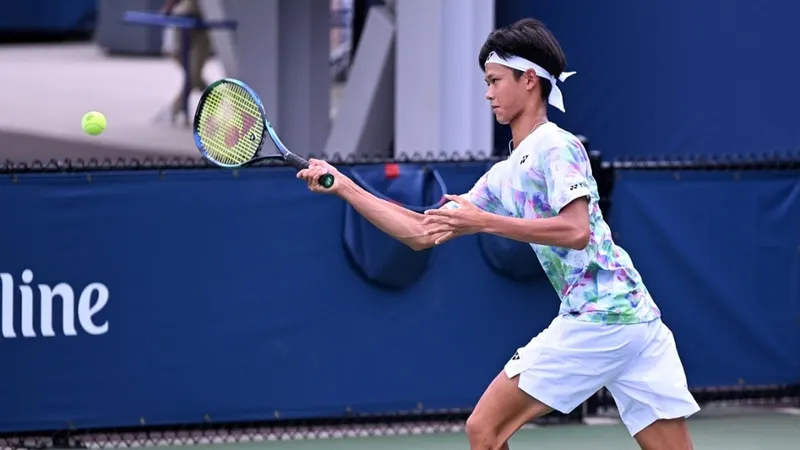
x=489, y=223
x=345, y=188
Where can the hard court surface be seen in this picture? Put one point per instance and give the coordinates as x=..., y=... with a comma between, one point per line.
x=779, y=430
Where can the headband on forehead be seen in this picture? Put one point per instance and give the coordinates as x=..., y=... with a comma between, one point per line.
x=515, y=62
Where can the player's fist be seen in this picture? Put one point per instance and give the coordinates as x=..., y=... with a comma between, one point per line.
x=316, y=169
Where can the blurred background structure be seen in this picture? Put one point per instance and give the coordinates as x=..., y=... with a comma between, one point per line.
x=145, y=302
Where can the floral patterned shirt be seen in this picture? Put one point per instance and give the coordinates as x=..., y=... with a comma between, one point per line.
x=548, y=170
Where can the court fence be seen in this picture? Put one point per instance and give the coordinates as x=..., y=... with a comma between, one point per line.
x=185, y=330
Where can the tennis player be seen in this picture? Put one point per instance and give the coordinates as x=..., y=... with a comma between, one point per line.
x=609, y=331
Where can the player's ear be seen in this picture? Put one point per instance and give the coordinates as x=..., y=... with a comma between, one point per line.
x=531, y=79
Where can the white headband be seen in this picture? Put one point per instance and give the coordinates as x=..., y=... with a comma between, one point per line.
x=515, y=62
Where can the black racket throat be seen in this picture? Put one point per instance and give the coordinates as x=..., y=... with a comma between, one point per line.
x=298, y=163
x=291, y=159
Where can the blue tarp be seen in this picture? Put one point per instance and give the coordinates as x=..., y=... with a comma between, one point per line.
x=198, y=293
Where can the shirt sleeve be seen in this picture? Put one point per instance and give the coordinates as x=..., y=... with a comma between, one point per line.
x=566, y=172
x=481, y=196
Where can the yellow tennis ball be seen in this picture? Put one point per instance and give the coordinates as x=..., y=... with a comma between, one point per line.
x=93, y=123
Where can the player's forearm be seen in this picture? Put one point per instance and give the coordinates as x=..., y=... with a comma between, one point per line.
x=394, y=220
x=553, y=231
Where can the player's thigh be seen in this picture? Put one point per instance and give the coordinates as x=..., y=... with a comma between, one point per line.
x=653, y=388
x=501, y=411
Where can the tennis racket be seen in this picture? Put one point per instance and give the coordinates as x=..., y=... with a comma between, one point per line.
x=230, y=129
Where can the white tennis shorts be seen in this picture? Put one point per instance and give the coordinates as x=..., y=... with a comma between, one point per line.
x=571, y=360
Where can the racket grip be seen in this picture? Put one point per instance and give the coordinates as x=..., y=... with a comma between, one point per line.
x=326, y=181
x=299, y=163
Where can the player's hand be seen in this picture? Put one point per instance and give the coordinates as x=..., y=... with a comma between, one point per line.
x=464, y=220
x=316, y=169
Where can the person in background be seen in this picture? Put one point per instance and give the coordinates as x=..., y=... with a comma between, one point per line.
x=199, y=51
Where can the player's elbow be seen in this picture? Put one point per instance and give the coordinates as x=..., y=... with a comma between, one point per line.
x=419, y=245
x=421, y=240
x=579, y=238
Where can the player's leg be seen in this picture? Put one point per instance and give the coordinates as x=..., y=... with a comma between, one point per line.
x=665, y=434
x=652, y=394
x=500, y=412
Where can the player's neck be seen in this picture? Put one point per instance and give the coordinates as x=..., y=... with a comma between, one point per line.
x=526, y=123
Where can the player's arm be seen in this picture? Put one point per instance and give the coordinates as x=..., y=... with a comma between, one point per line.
x=565, y=170
x=401, y=223
x=567, y=194
x=569, y=229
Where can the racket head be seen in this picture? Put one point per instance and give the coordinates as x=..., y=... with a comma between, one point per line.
x=229, y=123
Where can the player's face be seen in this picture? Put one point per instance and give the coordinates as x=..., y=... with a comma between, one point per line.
x=506, y=94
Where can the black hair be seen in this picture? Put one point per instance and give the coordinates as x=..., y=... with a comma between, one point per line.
x=529, y=39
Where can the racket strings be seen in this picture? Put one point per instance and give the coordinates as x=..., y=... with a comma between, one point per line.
x=230, y=127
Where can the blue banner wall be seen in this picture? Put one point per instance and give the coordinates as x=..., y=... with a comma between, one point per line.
x=187, y=296
x=720, y=253
x=232, y=297
x=681, y=77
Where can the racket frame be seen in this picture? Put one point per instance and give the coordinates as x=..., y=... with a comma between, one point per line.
x=256, y=157
x=289, y=157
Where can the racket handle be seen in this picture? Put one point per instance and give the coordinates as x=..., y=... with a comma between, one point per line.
x=326, y=181
x=299, y=163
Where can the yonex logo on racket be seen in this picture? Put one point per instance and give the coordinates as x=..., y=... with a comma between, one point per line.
x=28, y=311
x=234, y=135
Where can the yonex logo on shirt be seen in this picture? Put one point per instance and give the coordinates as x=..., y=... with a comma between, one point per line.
x=578, y=185
x=524, y=157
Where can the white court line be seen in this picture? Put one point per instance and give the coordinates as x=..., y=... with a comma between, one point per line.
x=790, y=411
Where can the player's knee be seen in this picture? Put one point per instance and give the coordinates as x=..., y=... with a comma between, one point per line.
x=481, y=434
x=666, y=434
